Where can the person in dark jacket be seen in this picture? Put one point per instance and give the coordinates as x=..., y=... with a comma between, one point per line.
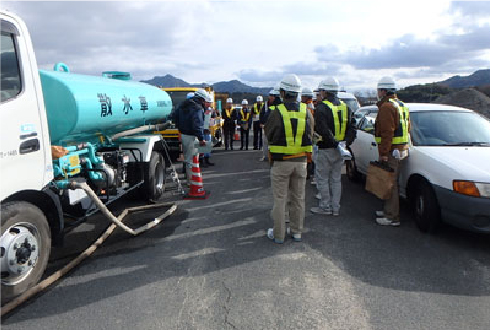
x=271, y=104
x=335, y=124
x=289, y=134
x=229, y=115
x=189, y=119
x=245, y=121
x=258, y=107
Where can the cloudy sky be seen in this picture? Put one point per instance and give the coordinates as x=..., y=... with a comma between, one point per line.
x=258, y=42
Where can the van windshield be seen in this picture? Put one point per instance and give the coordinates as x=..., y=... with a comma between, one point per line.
x=352, y=104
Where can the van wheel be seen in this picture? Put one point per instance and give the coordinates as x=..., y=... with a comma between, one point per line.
x=426, y=208
x=154, y=177
x=25, y=247
x=351, y=170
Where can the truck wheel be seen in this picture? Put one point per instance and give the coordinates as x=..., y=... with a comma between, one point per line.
x=426, y=208
x=25, y=247
x=351, y=170
x=155, y=177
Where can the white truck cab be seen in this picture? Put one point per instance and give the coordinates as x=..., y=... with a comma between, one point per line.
x=33, y=193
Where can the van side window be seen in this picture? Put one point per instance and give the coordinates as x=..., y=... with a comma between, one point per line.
x=10, y=82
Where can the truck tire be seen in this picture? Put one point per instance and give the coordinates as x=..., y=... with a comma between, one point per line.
x=154, y=177
x=426, y=208
x=25, y=247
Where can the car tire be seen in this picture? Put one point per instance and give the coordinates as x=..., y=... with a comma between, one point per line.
x=154, y=186
x=24, y=225
x=351, y=170
x=426, y=208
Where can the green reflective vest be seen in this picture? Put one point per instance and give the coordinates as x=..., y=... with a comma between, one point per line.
x=340, y=123
x=401, y=134
x=256, y=109
x=293, y=143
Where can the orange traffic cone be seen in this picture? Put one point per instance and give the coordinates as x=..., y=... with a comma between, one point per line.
x=196, y=189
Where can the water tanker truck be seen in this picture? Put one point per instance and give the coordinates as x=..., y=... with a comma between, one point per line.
x=59, y=128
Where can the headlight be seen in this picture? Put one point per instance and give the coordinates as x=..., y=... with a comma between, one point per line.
x=470, y=188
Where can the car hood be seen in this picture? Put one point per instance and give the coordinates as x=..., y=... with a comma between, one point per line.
x=470, y=163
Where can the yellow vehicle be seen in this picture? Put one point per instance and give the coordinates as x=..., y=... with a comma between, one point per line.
x=172, y=134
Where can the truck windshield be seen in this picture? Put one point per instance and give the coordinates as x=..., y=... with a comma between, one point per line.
x=449, y=128
x=177, y=98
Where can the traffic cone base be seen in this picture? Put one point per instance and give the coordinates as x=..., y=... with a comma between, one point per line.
x=196, y=189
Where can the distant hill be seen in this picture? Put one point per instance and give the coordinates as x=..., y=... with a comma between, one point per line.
x=467, y=98
x=167, y=81
x=478, y=78
x=233, y=86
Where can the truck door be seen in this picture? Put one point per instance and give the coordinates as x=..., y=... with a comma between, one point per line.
x=22, y=154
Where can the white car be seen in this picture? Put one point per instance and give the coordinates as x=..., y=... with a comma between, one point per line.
x=447, y=173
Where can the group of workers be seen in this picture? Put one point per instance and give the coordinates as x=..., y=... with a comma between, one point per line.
x=247, y=118
x=316, y=130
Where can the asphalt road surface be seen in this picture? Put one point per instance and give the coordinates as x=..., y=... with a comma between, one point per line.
x=210, y=266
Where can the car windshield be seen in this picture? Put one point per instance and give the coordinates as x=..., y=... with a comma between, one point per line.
x=449, y=128
x=177, y=98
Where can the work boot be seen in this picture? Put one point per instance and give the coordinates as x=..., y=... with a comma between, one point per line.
x=202, y=164
x=206, y=160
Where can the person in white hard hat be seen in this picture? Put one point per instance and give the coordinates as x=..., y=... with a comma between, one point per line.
x=392, y=136
x=335, y=125
x=289, y=137
x=271, y=104
x=229, y=115
x=245, y=121
x=189, y=119
x=204, y=161
x=307, y=98
x=257, y=130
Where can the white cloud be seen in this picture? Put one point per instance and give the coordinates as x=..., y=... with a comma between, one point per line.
x=259, y=41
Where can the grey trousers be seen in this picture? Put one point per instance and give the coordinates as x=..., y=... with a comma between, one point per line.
x=189, y=150
x=329, y=167
x=288, y=177
x=391, y=207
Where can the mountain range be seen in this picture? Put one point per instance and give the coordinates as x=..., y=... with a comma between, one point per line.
x=232, y=86
x=478, y=78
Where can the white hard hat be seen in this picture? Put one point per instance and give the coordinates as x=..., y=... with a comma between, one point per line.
x=229, y=100
x=201, y=93
x=330, y=85
x=290, y=83
x=306, y=91
x=190, y=95
x=208, y=98
x=260, y=99
x=387, y=83
x=244, y=101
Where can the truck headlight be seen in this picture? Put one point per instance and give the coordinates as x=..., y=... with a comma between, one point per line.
x=470, y=188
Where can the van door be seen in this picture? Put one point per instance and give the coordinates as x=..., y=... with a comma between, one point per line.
x=22, y=154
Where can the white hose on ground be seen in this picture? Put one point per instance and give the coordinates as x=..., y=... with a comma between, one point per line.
x=116, y=222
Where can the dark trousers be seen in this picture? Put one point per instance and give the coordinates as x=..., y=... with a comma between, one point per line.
x=257, y=135
x=229, y=133
x=244, y=136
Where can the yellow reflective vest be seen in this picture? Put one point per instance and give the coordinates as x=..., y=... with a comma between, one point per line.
x=401, y=135
x=340, y=122
x=293, y=142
